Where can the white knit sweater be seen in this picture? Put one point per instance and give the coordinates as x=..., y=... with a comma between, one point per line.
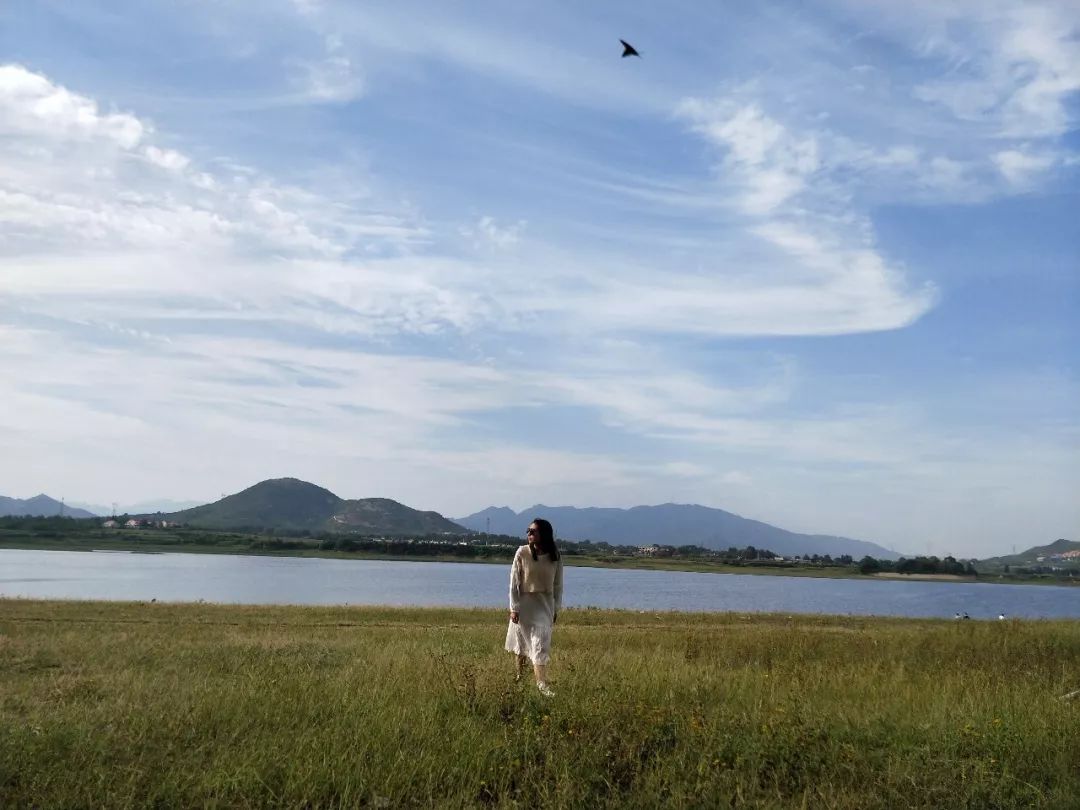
x=541, y=575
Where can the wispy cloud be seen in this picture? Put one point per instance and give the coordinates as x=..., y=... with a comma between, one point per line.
x=332, y=78
x=487, y=233
x=769, y=164
x=1017, y=79
x=1022, y=168
x=97, y=180
x=834, y=279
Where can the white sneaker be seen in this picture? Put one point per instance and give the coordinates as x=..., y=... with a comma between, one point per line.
x=545, y=690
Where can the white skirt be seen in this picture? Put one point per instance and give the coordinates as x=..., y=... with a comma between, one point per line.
x=531, y=636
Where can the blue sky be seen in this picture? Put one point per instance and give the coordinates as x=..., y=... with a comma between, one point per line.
x=812, y=263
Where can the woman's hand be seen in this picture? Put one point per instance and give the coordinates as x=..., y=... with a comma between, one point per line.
x=514, y=616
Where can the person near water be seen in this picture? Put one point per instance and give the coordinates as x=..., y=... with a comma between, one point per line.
x=536, y=589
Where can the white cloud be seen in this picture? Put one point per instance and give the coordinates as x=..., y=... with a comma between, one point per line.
x=332, y=79
x=1021, y=168
x=34, y=106
x=1038, y=49
x=736, y=478
x=1010, y=67
x=502, y=44
x=769, y=164
x=832, y=279
x=167, y=159
x=154, y=228
x=664, y=400
x=487, y=233
x=684, y=469
x=944, y=174
x=73, y=179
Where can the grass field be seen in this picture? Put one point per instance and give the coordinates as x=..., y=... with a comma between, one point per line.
x=154, y=705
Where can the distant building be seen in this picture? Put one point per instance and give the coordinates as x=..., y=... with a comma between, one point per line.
x=133, y=523
x=648, y=551
x=110, y=524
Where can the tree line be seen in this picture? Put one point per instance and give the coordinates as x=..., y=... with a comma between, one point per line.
x=470, y=546
x=918, y=565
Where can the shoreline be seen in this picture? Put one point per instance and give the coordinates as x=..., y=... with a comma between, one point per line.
x=342, y=615
x=105, y=545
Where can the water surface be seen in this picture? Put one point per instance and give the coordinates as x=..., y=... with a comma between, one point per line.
x=237, y=579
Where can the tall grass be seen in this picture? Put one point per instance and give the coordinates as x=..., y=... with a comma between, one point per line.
x=137, y=705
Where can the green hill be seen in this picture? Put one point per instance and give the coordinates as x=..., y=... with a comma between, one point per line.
x=384, y=516
x=1048, y=555
x=288, y=503
x=280, y=503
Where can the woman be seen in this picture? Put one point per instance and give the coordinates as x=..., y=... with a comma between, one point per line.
x=536, y=584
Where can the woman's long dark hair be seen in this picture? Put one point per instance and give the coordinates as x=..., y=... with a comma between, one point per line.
x=546, y=543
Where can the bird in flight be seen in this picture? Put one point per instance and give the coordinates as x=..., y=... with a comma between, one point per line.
x=628, y=49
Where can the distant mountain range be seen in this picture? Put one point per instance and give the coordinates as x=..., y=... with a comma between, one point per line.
x=140, y=508
x=39, y=506
x=288, y=503
x=671, y=524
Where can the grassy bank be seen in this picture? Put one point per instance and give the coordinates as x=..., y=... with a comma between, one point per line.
x=135, y=705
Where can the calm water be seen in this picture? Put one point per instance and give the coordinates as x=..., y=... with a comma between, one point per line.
x=307, y=581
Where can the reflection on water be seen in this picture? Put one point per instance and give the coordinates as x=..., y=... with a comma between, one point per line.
x=170, y=577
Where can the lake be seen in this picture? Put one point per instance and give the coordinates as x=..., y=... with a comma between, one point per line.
x=236, y=579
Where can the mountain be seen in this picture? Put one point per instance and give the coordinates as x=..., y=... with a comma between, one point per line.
x=40, y=506
x=1050, y=554
x=670, y=524
x=280, y=503
x=288, y=503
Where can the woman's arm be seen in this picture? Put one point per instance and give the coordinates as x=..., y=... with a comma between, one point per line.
x=558, y=586
x=515, y=583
